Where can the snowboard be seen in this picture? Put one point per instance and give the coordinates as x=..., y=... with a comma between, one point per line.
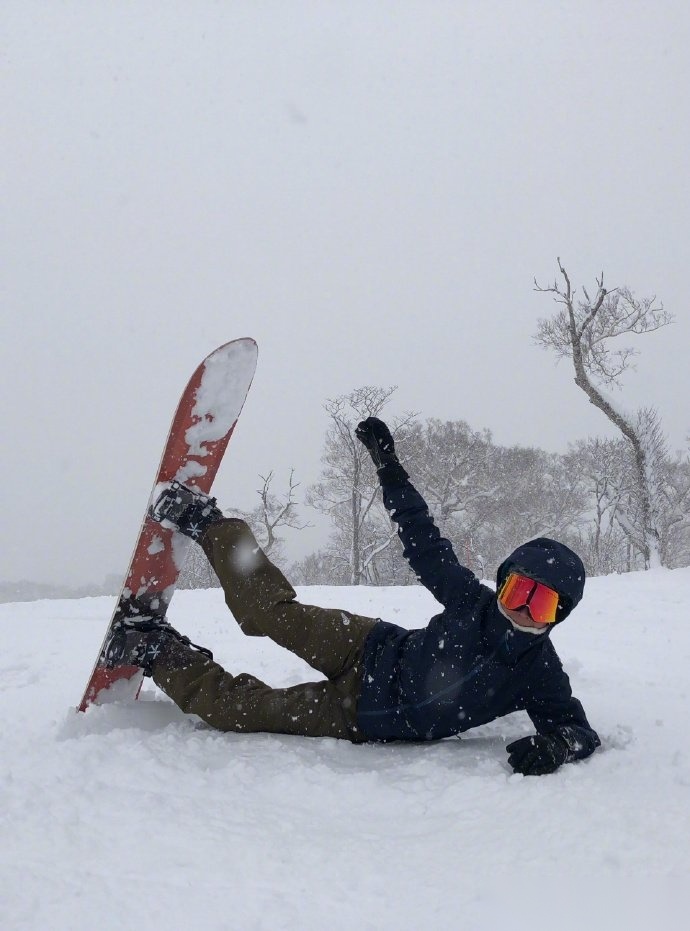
x=199, y=434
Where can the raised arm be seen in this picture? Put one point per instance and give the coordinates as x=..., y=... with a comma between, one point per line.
x=430, y=555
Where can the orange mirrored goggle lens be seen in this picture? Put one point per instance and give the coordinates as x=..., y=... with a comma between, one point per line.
x=518, y=591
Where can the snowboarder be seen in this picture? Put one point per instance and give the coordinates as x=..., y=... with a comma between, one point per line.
x=485, y=655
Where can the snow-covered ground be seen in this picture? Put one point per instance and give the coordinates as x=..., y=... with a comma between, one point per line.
x=136, y=816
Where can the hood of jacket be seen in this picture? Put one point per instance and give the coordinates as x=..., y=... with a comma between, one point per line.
x=552, y=563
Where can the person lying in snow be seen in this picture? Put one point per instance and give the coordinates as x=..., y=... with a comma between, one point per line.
x=484, y=656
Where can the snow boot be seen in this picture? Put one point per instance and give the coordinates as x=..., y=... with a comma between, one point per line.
x=138, y=637
x=188, y=511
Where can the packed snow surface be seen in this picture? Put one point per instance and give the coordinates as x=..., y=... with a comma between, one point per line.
x=133, y=815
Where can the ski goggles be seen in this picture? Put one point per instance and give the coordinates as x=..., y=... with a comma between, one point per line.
x=518, y=591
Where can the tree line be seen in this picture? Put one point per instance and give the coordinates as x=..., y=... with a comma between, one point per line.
x=488, y=498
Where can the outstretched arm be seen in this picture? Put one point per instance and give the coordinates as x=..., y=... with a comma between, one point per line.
x=430, y=555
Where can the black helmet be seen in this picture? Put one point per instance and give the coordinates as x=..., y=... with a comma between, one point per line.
x=552, y=563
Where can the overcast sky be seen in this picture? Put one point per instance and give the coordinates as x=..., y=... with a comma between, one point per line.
x=368, y=189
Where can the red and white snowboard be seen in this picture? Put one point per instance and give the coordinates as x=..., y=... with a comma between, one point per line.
x=201, y=429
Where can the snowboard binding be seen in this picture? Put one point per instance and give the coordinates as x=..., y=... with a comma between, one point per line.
x=140, y=640
x=189, y=512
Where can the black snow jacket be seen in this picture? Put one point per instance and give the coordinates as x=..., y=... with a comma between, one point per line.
x=468, y=665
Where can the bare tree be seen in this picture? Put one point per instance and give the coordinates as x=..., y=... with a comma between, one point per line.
x=452, y=466
x=349, y=490
x=675, y=511
x=273, y=512
x=584, y=331
x=197, y=571
x=602, y=468
x=535, y=496
x=320, y=568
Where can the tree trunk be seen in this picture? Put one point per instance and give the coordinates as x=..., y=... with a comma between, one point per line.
x=650, y=534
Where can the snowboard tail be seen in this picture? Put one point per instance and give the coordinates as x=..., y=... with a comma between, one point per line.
x=199, y=434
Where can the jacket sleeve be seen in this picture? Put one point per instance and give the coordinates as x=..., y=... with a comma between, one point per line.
x=553, y=708
x=430, y=555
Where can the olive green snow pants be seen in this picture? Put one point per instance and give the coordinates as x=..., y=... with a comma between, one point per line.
x=263, y=604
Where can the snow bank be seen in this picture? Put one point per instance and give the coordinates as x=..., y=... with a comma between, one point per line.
x=137, y=814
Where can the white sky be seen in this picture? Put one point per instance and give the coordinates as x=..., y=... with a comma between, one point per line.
x=367, y=189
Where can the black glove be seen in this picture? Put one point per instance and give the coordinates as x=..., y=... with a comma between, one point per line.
x=537, y=755
x=377, y=438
